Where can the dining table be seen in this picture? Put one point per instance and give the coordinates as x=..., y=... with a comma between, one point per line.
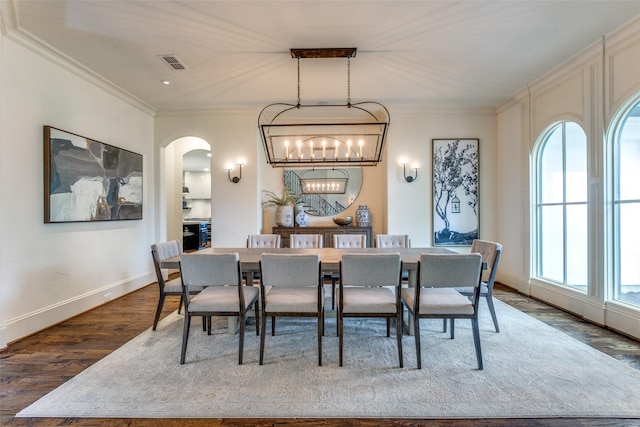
x=329, y=258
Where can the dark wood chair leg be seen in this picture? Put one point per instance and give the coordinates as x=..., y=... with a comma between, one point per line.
x=399, y=336
x=476, y=341
x=242, y=320
x=185, y=338
x=416, y=332
x=492, y=310
x=158, y=311
x=263, y=331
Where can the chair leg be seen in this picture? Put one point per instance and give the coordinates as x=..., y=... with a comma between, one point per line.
x=158, y=311
x=181, y=303
x=340, y=329
x=453, y=325
x=242, y=320
x=263, y=331
x=476, y=341
x=492, y=310
x=333, y=294
x=320, y=333
x=185, y=337
x=388, y=327
x=399, y=336
x=208, y=325
x=416, y=333
x=444, y=325
x=273, y=326
x=255, y=307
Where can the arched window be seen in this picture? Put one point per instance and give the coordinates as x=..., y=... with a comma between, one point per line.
x=562, y=240
x=626, y=201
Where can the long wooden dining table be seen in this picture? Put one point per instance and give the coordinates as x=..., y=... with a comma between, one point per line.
x=329, y=258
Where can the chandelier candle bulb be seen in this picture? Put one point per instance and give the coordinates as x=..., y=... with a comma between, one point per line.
x=348, y=149
x=336, y=144
x=324, y=150
x=360, y=143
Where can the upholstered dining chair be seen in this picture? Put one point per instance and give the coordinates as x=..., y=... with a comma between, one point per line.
x=296, y=290
x=305, y=240
x=344, y=241
x=435, y=296
x=364, y=291
x=222, y=295
x=349, y=240
x=490, y=252
x=161, y=252
x=261, y=241
x=395, y=241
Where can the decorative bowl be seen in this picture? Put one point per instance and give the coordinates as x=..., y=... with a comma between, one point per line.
x=343, y=221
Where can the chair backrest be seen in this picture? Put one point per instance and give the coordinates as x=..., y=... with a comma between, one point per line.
x=490, y=252
x=393, y=241
x=210, y=270
x=163, y=251
x=263, y=241
x=305, y=240
x=290, y=270
x=371, y=270
x=449, y=270
x=349, y=240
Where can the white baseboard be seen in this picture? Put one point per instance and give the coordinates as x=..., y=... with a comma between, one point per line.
x=30, y=323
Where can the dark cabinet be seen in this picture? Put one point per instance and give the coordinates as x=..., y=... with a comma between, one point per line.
x=194, y=235
x=326, y=232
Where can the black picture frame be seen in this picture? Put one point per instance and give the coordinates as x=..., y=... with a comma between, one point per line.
x=86, y=180
x=455, y=191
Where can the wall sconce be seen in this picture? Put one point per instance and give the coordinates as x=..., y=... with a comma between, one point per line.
x=235, y=179
x=404, y=172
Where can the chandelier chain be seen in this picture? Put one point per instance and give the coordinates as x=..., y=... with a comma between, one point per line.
x=348, y=80
x=298, y=82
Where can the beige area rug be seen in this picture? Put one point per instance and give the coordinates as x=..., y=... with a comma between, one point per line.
x=531, y=370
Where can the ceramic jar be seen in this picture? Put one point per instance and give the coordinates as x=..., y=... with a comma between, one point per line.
x=363, y=216
x=302, y=219
x=284, y=215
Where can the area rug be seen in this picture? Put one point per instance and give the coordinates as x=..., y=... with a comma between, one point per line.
x=531, y=370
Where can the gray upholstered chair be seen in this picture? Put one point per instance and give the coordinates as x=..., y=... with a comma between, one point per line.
x=296, y=290
x=344, y=241
x=490, y=252
x=263, y=241
x=161, y=252
x=434, y=295
x=364, y=291
x=393, y=241
x=349, y=241
x=305, y=240
x=223, y=293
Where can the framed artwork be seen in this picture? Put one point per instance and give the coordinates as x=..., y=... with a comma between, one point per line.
x=455, y=217
x=88, y=180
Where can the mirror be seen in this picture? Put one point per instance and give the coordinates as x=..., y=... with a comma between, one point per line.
x=325, y=191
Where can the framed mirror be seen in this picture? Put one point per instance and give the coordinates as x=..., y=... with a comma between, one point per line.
x=325, y=191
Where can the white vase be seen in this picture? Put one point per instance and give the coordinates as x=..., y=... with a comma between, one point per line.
x=302, y=219
x=284, y=216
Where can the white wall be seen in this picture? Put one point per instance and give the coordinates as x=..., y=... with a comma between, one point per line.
x=50, y=272
x=589, y=89
x=235, y=211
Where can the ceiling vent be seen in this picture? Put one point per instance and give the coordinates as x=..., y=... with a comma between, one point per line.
x=173, y=62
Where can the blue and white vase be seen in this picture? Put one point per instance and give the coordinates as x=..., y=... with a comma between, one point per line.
x=302, y=219
x=363, y=216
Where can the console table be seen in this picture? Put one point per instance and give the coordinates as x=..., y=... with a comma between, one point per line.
x=326, y=232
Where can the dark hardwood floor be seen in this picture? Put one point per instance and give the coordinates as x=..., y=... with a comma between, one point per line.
x=38, y=364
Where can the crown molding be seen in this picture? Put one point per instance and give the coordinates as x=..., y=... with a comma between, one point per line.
x=10, y=25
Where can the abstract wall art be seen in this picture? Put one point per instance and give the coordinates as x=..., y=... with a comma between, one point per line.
x=87, y=180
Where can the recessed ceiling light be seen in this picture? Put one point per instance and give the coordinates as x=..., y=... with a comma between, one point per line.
x=165, y=82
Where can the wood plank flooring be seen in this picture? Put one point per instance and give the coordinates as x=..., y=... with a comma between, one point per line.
x=35, y=365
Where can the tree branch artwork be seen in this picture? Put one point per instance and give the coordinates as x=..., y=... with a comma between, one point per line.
x=455, y=191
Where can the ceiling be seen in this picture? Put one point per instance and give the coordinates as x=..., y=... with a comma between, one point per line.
x=236, y=53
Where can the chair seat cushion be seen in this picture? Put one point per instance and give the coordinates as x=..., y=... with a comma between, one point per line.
x=484, y=290
x=368, y=300
x=296, y=300
x=438, y=301
x=222, y=299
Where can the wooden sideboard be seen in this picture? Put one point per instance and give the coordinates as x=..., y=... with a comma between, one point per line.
x=326, y=232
